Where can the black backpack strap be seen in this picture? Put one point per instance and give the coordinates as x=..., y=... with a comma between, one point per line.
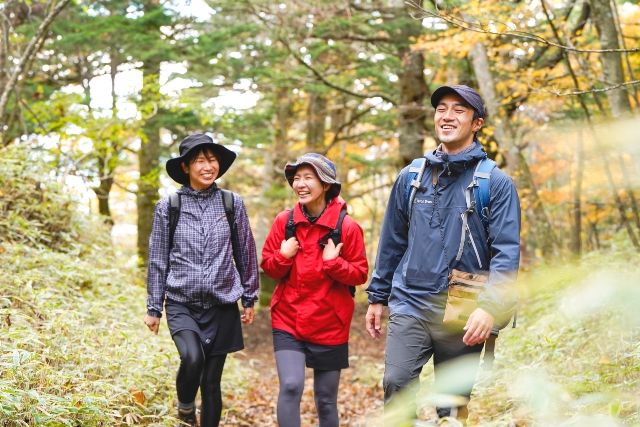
x=174, y=216
x=290, y=227
x=230, y=212
x=336, y=236
x=336, y=233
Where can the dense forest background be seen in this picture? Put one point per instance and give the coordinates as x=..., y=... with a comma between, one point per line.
x=95, y=97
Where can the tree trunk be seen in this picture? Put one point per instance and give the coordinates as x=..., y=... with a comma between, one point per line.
x=275, y=156
x=576, y=240
x=506, y=141
x=316, y=118
x=412, y=112
x=148, y=161
x=105, y=167
x=103, y=191
x=605, y=163
x=611, y=61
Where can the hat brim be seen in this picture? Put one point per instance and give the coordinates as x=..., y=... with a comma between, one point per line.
x=225, y=157
x=441, y=92
x=290, y=171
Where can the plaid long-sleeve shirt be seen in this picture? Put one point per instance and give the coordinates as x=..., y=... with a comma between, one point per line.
x=201, y=270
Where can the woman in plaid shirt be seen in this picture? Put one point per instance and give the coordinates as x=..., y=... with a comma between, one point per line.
x=196, y=278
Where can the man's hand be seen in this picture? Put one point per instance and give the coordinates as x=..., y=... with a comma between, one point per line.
x=153, y=323
x=289, y=247
x=478, y=327
x=372, y=320
x=331, y=251
x=247, y=315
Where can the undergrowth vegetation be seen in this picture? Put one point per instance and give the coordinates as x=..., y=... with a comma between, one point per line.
x=73, y=348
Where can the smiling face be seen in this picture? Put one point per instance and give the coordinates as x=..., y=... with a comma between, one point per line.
x=454, y=123
x=309, y=189
x=202, y=170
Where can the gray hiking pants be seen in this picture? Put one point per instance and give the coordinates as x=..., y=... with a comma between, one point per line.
x=411, y=342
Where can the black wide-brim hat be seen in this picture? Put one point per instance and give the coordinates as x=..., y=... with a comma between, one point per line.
x=225, y=156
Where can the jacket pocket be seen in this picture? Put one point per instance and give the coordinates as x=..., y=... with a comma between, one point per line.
x=343, y=305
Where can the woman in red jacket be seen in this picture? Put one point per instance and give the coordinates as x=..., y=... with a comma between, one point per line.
x=312, y=306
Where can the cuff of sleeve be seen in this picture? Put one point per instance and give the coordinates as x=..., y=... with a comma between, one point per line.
x=329, y=264
x=282, y=260
x=374, y=300
x=248, y=303
x=154, y=313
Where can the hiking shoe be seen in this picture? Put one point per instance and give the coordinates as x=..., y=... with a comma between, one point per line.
x=450, y=422
x=188, y=417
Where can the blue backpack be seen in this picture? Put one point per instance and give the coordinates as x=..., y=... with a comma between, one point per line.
x=479, y=202
x=479, y=186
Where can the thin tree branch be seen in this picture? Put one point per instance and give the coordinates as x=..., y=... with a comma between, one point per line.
x=480, y=28
x=25, y=105
x=28, y=53
x=583, y=92
x=320, y=77
x=345, y=125
x=122, y=187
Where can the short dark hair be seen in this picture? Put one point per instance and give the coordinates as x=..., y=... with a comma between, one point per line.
x=202, y=149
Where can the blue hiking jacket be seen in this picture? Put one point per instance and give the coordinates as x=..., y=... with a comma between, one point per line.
x=413, y=262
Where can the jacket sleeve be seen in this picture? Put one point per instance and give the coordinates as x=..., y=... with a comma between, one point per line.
x=248, y=256
x=158, y=259
x=393, y=243
x=499, y=297
x=273, y=263
x=351, y=266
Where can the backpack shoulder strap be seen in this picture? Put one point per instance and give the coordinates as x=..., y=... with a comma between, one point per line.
x=174, y=216
x=229, y=208
x=336, y=233
x=414, y=178
x=336, y=236
x=477, y=200
x=290, y=226
x=230, y=212
x=481, y=190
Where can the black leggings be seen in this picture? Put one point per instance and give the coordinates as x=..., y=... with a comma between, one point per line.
x=199, y=370
x=291, y=364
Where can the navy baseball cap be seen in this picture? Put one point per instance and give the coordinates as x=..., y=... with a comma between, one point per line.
x=471, y=97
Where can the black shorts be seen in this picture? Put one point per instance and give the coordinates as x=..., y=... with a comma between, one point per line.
x=318, y=356
x=219, y=327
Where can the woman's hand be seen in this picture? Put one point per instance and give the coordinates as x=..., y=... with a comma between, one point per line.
x=331, y=251
x=247, y=315
x=153, y=323
x=289, y=248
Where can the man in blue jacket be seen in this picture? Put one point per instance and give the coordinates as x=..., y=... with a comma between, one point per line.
x=419, y=249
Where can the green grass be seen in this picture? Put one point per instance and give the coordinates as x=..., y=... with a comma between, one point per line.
x=573, y=359
x=73, y=348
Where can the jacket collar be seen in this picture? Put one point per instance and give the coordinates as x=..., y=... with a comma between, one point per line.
x=207, y=192
x=457, y=163
x=328, y=219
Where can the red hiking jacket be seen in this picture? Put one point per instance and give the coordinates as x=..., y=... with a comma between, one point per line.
x=312, y=300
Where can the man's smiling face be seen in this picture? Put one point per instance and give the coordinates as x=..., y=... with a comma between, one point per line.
x=454, y=122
